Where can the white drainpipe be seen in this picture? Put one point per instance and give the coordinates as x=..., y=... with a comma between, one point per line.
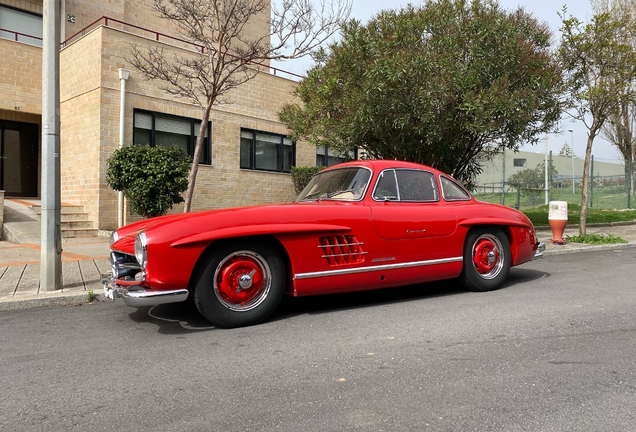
x=123, y=76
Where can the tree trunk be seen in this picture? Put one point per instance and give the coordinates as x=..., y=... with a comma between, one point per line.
x=194, y=169
x=586, y=178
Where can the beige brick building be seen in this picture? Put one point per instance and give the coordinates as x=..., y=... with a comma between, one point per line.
x=247, y=157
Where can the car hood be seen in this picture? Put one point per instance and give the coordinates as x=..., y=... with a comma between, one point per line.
x=185, y=228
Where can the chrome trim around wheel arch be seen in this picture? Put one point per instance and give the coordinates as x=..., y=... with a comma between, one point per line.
x=137, y=296
x=376, y=268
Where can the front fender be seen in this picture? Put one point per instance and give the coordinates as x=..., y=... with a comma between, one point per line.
x=252, y=230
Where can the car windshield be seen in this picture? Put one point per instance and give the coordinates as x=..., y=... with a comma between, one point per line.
x=346, y=184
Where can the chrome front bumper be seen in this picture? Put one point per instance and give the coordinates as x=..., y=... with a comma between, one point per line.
x=136, y=296
x=540, y=250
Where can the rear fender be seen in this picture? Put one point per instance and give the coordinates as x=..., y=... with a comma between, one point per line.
x=510, y=233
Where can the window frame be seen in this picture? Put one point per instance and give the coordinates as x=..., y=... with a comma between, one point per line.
x=25, y=36
x=399, y=198
x=522, y=161
x=279, y=147
x=207, y=146
x=468, y=197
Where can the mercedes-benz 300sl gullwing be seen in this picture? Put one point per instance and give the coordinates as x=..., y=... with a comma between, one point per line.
x=357, y=226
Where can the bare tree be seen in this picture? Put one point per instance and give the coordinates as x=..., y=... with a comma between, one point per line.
x=598, y=60
x=620, y=128
x=231, y=52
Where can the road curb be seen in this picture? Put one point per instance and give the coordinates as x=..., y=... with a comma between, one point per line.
x=46, y=301
x=588, y=248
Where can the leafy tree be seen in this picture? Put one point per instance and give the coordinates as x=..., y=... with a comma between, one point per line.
x=231, y=52
x=153, y=178
x=566, y=150
x=598, y=60
x=445, y=84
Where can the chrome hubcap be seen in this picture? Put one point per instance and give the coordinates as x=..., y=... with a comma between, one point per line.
x=488, y=258
x=242, y=281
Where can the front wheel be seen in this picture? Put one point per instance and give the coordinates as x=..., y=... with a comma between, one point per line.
x=486, y=259
x=241, y=285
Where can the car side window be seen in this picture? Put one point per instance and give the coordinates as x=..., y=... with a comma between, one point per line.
x=406, y=185
x=386, y=187
x=452, y=191
x=415, y=185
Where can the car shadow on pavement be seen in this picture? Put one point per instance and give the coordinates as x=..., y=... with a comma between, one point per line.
x=183, y=317
x=293, y=306
x=173, y=318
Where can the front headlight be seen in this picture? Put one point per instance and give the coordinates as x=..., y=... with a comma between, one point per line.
x=140, y=249
x=113, y=238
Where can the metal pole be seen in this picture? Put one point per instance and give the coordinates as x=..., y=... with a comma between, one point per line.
x=123, y=76
x=503, y=177
x=628, y=180
x=550, y=175
x=572, y=152
x=547, y=192
x=51, y=239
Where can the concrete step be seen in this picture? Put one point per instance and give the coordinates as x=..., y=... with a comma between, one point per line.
x=65, y=209
x=76, y=224
x=74, y=221
x=75, y=233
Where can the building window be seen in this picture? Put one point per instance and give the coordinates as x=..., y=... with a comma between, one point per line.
x=519, y=162
x=267, y=151
x=23, y=26
x=168, y=131
x=327, y=157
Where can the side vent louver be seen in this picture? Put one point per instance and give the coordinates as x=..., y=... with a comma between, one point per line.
x=341, y=249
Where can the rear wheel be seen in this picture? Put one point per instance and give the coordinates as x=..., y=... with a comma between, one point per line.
x=241, y=285
x=486, y=259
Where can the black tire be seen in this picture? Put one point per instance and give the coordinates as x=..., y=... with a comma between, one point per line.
x=487, y=259
x=241, y=285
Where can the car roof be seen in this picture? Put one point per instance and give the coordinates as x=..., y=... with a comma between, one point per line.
x=379, y=165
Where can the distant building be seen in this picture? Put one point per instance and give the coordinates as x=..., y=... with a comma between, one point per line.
x=494, y=172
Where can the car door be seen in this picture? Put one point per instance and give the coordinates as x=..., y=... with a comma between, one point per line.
x=406, y=205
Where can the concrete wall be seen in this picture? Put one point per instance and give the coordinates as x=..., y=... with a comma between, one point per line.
x=20, y=77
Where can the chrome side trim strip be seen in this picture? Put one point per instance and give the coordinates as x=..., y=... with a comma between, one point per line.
x=376, y=268
x=340, y=245
x=352, y=254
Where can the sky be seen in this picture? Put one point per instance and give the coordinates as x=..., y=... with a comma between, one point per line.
x=544, y=10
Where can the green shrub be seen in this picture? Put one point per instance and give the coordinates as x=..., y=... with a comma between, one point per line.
x=153, y=178
x=596, y=239
x=302, y=175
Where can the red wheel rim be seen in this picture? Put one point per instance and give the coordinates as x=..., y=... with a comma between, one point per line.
x=242, y=280
x=487, y=256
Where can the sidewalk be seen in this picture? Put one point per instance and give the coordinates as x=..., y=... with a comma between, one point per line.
x=84, y=259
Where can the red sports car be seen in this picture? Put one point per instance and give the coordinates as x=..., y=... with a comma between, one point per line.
x=356, y=226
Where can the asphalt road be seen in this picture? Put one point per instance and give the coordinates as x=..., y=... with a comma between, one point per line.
x=554, y=350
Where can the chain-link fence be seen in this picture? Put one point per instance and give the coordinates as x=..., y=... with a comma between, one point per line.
x=605, y=192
